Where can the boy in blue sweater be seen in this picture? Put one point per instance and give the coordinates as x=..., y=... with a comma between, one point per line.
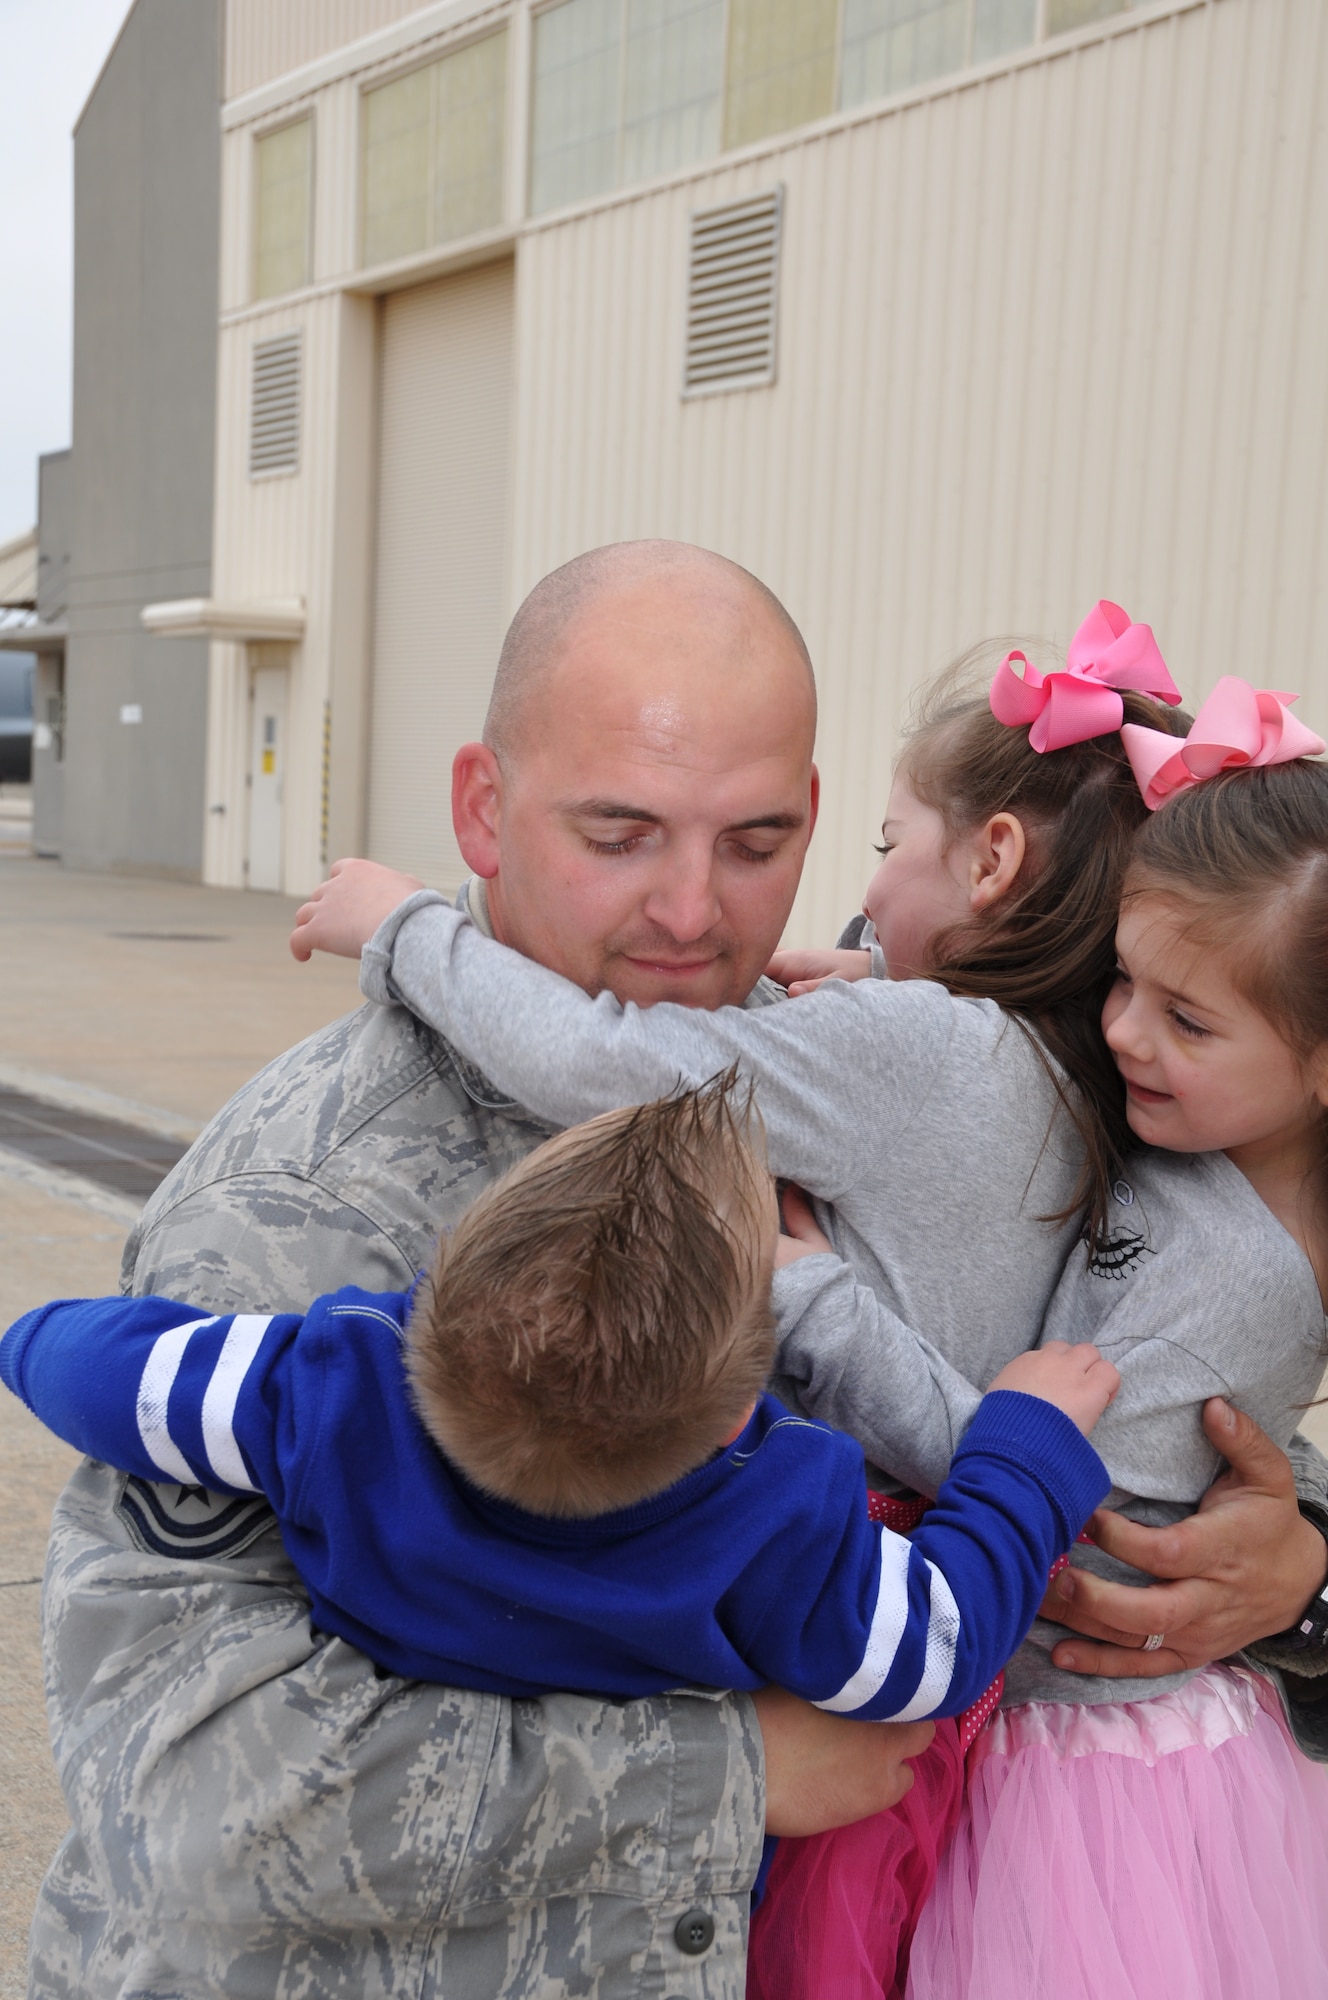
x=552, y=1465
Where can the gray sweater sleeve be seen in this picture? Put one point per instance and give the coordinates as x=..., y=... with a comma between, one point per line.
x=837, y=1073
x=857, y=1366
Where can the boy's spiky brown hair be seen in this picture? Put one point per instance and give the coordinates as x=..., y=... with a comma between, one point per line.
x=599, y=1322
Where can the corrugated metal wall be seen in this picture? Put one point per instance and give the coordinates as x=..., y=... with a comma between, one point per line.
x=1050, y=336
x=1050, y=333
x=305, y=535
x=265, y=38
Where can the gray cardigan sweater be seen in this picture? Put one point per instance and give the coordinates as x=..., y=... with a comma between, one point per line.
x=931, y=1130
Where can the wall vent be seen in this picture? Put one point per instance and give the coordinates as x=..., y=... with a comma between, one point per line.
x=732, y=294
x=274, y=410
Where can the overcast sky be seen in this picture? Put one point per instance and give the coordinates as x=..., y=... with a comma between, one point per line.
x=50, y=53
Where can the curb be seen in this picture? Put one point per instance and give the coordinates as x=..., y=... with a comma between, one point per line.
x=63, y=1186
x=68, y=1096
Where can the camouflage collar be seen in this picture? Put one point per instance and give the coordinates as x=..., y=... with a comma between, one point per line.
x=472, y=1080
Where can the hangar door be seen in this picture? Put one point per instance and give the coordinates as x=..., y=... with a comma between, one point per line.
x=441, y=571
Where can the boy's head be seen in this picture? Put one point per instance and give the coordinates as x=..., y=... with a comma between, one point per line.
x=599, y=1323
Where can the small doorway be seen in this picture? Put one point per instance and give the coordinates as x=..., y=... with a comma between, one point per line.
x=48, y=755
x=268, y=694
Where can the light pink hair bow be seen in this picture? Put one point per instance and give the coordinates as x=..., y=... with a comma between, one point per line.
x=1237, y=725
x=1106, y=653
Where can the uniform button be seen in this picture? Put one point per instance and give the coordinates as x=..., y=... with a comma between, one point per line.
x=694, y=1932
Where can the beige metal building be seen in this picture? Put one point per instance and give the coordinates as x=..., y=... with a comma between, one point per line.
x=947, y=317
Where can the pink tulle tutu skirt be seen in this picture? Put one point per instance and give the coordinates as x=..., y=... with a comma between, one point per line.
x=840, y=1909
x=1173, y=1849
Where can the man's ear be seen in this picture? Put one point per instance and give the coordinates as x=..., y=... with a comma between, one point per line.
x=815, y=801
x=997, y=856
x=477, y=804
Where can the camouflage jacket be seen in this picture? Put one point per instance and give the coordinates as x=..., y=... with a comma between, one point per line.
x=257, y=1812
x=257, y=1815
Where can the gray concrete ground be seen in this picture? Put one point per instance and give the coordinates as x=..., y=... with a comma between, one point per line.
x=15, y=817
x=152, y=1000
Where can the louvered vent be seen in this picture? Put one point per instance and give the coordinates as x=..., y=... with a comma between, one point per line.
x=274, y=417
x=732, y=290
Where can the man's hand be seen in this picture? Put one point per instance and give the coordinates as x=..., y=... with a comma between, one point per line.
x=804, y=1239
x=804, y=971
x=344, y=912
x=823, y=1771
x=1076, y=1379
x=1245, y=1566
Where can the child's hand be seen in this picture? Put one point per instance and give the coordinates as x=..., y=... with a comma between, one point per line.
x=344, y=912
x=804, y=1238
x=1076, y=1379
x=804, y=971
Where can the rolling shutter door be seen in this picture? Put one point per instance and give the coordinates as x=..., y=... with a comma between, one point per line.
x=444, y=438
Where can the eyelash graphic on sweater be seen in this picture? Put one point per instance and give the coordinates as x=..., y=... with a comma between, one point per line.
x=1116, y=1256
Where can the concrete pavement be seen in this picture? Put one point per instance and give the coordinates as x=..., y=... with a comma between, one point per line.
x=150, y=1001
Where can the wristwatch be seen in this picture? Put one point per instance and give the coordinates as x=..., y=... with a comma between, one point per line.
x=1309, y=1634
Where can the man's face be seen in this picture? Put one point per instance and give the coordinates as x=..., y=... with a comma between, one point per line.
x=650, y=823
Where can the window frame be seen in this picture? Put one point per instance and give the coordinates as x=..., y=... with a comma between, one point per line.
x=619, y=185
x=303, y=114
x=479, y=29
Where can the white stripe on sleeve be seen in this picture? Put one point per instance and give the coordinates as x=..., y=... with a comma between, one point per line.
x=942, y=1644
x=223, y=1393
x=887, y=1629
x=154, y=1394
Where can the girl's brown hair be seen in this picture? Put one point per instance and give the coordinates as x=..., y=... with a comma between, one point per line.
x=1046, y=951
x=1244, y=858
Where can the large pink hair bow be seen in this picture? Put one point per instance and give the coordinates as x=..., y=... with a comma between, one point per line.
x=1106, y=653
x=1237, y=725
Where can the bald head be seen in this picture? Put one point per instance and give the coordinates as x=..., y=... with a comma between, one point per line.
x=644, y=794
x=690, y=595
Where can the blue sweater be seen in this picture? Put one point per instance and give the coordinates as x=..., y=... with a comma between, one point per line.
x=761, y=1566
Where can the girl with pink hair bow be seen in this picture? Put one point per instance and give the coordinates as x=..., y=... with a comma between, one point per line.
x=964, y=1123
x=1175, y=1841
x=1119, y=1840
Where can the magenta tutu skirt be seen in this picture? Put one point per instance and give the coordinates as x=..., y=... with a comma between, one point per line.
x=1173, y=1849
x=840, y=1908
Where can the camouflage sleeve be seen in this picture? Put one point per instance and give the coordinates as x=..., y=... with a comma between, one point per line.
x=253, y=1242
x=1311, y=1473
x=257, y=1813
x=1304, y=1675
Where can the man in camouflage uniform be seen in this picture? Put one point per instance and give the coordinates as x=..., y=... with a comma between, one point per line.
x=256, y=1810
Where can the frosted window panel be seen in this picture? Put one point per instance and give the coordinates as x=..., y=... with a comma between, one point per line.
x=1002, y=25
x=673, y=71
x=892, y=45
x=433, y=152
x=1062, y=15
x=283, y=177
x=397, y=121
x=470, y=126
x=577, y=82
x=781, y=66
